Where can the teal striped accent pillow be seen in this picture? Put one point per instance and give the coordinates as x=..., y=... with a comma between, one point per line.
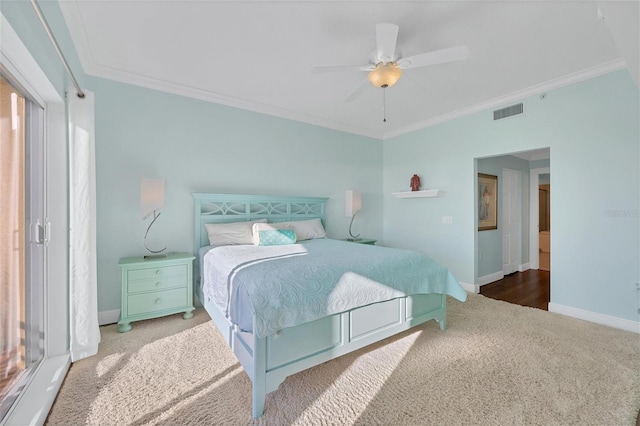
x=276, y=237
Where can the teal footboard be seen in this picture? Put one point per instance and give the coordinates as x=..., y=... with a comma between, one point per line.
x=269, y=360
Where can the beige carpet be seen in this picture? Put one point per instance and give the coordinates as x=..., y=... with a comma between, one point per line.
x=496, y=364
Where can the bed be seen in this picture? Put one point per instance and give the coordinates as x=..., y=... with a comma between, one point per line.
x=273, y=336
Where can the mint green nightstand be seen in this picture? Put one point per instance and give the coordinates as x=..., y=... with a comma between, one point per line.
x=157, y=287
x=362, y=241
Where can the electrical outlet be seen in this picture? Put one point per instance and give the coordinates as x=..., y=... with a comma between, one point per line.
x=447, y=220
x=636, y=286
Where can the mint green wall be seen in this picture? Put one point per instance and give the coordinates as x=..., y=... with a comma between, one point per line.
x=592, y=130
x=198, y=146
x=489, y=251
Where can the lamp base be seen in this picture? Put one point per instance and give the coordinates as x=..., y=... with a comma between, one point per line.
x=353, y=237
x=154, y=256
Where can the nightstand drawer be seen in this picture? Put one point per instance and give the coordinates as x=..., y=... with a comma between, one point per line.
x=150, y=273
x=158, y=301
x=157, y=284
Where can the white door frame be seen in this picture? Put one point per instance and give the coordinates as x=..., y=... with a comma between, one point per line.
x=534, y=215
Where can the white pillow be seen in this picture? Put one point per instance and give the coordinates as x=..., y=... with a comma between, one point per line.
x=257, y=227
x=308, y=229
x=225, y=234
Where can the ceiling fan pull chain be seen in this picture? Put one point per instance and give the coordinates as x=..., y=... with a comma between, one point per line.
x=384, y=105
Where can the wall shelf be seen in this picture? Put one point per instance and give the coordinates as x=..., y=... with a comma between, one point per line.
x=425, y=193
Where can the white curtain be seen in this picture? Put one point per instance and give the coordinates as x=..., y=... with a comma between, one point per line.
x=83, y=291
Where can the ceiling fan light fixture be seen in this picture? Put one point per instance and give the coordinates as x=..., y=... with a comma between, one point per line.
x=385, y=74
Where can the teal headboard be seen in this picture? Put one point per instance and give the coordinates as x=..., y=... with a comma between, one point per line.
x=226, y=208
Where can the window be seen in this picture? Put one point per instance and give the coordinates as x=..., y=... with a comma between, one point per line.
x=21, y=239
x=37, y=387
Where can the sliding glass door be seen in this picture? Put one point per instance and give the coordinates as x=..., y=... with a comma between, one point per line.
x=22, y=238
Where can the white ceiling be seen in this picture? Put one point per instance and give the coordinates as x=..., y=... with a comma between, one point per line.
x=258, y=55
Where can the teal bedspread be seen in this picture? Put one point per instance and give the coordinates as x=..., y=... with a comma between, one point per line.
x=284, y=286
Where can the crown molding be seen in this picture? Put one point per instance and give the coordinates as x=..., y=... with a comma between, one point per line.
x=566, y=80
x=230, y=101
x=196, y=93
x=76, y=25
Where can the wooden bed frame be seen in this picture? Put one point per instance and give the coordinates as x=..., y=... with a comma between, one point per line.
x=269, y=360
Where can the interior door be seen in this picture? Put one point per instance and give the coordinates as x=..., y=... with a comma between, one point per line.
x=510, y=221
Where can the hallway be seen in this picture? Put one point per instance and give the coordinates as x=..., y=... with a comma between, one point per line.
x=529, y=288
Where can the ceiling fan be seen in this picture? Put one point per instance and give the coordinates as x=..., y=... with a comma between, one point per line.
x=386, y=62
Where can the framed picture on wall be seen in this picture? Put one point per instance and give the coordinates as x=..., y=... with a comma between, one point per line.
x=487, y=202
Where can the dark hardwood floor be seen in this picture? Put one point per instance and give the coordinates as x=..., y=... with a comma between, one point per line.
x=529, y=288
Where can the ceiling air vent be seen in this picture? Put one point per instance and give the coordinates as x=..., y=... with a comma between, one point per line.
x=507, y=112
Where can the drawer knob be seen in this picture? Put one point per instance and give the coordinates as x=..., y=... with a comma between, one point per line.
x=158, y=301
x=159, y=271
x=158, y=284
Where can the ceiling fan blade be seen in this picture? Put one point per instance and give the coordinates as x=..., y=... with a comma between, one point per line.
x=342, y=68
x=358, y=90
x=386, y=38
x=450, y=54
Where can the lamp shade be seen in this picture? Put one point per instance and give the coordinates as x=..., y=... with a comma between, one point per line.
x=353, y=203
x=151, y=196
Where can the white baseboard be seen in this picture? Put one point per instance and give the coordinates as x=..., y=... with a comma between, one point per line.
x=489, y=278
x=524, y=267
x=470, y=288
x=623, y=324
x=108, y=317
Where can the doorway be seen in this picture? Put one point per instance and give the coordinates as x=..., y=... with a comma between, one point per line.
x=528, y=280
x=534, y=216
x=544, y=221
